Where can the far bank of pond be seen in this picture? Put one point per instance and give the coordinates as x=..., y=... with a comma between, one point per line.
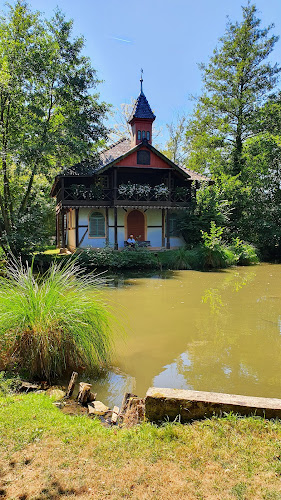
x=215, y=331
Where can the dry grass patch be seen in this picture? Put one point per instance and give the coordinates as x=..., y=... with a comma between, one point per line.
x=46, y=454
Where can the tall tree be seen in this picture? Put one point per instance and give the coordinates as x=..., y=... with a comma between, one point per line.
x=237, y=81
x=49, y=116
x=174, y=147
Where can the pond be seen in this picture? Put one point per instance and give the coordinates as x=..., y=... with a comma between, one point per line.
x=215, y=331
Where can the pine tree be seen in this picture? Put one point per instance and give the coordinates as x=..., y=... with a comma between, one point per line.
x=237, y=81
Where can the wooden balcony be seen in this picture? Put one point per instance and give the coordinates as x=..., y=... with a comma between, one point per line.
x=68, y=197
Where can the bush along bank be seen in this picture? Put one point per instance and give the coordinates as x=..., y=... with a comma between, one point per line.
x=199, y=258
x=211, y=253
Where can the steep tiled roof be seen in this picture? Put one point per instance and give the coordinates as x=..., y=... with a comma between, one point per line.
x=107, y=156
x=142, y=109
x=195, y=176
x=85, y=167
x=118, y=149
x=124, y=145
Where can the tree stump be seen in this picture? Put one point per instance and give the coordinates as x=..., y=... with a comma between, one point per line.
x=71, y=384
x=84, y=394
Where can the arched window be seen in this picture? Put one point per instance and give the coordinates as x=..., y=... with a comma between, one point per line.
x=143, y=134
x=139, y=135
x=96, y=225
x=148, y=135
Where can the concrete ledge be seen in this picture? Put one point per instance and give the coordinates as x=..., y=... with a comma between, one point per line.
x=169, y=404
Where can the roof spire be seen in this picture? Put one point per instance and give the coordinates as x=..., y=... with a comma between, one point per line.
x=141, y=79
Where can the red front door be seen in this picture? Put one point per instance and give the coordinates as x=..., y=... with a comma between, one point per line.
x=136, y=225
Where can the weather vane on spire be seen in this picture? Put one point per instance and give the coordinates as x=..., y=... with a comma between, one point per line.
x=141, y=78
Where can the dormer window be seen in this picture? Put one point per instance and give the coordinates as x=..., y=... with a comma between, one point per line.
x=148, y=135
x=139, y=135
x=143, y=134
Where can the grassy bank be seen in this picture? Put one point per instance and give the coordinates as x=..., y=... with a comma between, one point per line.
x=45, y=454
x=202, y=257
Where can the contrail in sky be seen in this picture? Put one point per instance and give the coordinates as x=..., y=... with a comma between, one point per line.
x=121, y=39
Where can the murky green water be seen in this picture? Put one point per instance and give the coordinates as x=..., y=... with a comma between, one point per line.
x=204, y=331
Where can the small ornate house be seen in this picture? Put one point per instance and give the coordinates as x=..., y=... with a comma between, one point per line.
x=135, y=190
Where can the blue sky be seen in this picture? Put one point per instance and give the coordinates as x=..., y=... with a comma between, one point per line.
x=167, y=38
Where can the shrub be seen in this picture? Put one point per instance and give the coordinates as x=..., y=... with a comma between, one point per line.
x=8, y=384
x=52, y=323
x=175, y=259
x=246, y=254
x=214, y=253
x=137, y=258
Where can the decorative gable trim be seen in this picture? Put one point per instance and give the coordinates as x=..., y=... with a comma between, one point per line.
x=144, y=143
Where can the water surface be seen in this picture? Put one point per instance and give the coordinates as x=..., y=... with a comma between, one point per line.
x=215, y=331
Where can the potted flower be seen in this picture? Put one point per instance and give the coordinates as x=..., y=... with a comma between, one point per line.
x=161, y=191
x=142, y=190
x=79, y=191
x=95, y=192
x=127, y=190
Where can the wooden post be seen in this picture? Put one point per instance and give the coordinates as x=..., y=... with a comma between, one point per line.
x=163, y=227
x=169, y=184
x=62, y=229
x=71, y=384
x=84, y=394
x=115, y=183
x=77, y=227
x=57, y=230
x=115, y=229
x=168, y=228
x=106, y=227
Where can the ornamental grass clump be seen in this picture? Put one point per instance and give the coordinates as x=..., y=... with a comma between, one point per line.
x=54, y=322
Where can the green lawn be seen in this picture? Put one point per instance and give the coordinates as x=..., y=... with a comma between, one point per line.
x=47, y=454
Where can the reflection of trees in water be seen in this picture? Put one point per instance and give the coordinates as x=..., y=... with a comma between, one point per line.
x=233, y=281
x=238, y=347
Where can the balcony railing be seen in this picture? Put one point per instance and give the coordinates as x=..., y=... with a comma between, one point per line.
x=110, y=197
x=86, y=194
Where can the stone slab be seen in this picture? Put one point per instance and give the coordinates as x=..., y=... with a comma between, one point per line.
x=170, y=404
x=97, y=408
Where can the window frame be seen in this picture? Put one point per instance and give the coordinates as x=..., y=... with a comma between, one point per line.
x=89, y=224
x=173, y=228
x=147, y=154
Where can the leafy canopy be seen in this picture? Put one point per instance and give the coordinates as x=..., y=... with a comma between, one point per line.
x=49, y=115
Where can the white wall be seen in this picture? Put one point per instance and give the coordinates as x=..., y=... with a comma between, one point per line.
x=84, y=214
x=154, y=234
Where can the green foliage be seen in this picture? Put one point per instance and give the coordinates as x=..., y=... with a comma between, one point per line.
x=8, y=384
x=50, y=117
x=174, y=147
x=175, y=259
x=137, y=258
x=236, y=81
x=215, y=254
x=211, y=205
x=245, y=253
x=52, y=323
x=234, y=135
